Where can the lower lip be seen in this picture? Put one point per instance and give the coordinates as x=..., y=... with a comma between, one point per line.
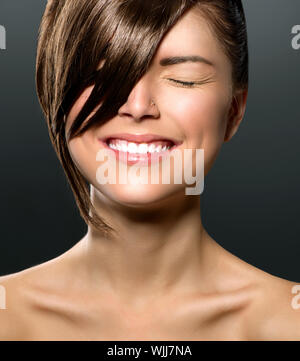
x=142, y=159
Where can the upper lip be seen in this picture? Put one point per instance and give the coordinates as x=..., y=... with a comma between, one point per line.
x=140, y=138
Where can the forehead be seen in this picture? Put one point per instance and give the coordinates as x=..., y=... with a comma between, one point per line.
x=192, y=35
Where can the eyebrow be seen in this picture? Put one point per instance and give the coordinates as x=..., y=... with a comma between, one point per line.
x=184, y=59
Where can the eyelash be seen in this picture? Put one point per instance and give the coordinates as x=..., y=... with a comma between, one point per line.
x=185, y=84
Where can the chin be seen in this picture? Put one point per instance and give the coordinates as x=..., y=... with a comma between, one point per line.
x=139, y=196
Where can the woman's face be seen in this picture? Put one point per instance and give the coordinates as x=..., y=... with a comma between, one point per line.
x=194, y=116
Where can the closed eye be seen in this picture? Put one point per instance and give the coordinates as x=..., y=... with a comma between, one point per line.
x=187, y=84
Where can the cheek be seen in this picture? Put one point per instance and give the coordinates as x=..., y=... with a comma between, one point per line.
x=83, y=152
x=83, y=149
x=202, y=119
x=78, y=105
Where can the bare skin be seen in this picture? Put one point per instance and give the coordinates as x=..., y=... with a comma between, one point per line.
x=58, y=301
x=161, y=276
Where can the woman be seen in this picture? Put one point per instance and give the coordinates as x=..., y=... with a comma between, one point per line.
x=137, y=78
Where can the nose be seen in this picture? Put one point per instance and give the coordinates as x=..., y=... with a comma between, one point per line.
x=140, y=103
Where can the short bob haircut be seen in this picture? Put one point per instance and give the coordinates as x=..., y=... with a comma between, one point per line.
x=76, y=35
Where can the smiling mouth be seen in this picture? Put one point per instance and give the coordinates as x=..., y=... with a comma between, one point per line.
x=125, y=146
x=145, y=152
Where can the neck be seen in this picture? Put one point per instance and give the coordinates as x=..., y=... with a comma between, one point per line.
x=155, y=251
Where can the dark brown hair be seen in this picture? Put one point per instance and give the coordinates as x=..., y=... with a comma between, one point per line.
x=75, y=35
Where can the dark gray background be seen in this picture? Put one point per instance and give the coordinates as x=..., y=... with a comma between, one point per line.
x=251, y=200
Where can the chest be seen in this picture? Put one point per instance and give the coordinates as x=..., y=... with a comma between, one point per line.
x=163, y=323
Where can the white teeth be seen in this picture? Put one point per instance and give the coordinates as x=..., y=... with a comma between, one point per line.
x=132, y=148
x=143, y=148
x=151, y=148
x=123, y=145
x=158, y=149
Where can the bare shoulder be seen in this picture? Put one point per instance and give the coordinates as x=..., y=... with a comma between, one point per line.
x=13, y=311
x=274, y=313
x=272, y=304
x=23, y=293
